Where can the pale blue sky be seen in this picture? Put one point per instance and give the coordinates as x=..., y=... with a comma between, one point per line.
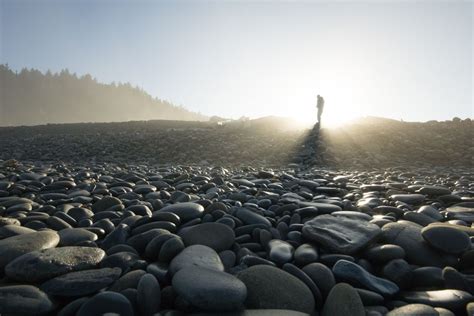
x=397, y=59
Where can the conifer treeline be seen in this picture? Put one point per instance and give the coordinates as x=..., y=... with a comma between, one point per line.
x=30, y=97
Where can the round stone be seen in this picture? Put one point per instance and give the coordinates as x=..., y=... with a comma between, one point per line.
x=186, y=211
x=272, y=288
x=13, y=247
x=170, y=249
x=413, y=199
x=384, y=253
x=14, y=230
x=446, y=239
x=249, y=217
x=24, y=300
x=343, y=299
x=280, y=251
x=73, y=236
x=105, y=203
x=306, y=254
x=196, y=255
x=128, y=280
x=321, y=275
x=123, y=260
x=38, y=266
x=217, y=236
x=106, y=303
x=470, y=308
x=434, y=190
x=209, y=289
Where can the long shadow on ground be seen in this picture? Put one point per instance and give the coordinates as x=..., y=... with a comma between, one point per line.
x=312, y=150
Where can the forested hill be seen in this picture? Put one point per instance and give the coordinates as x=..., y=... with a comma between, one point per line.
x=30, y=97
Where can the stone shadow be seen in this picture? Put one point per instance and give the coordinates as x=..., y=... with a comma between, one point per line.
x=311, y=150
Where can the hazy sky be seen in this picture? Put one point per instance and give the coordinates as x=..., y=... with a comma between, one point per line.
x=397, y=59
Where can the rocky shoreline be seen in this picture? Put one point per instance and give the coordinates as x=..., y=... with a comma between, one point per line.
x=135, y=239
x=266, y=142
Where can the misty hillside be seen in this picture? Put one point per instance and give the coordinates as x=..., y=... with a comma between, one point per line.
x=366, y=143
x=31, y=97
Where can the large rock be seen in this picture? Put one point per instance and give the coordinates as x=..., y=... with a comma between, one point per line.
x=24, y=300
x=38, y=266
x=271, y=288
x=209, y=289
x=13, y=247
x=340, y=235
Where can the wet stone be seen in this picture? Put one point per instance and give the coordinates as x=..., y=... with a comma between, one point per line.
x=42, y=265
x=13, y=247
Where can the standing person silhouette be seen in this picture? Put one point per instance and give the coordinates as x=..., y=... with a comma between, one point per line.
x=320, y=106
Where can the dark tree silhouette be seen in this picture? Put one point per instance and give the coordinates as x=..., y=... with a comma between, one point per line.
x=31, y=97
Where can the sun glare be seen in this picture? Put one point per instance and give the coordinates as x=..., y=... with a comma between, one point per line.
x=338, y=110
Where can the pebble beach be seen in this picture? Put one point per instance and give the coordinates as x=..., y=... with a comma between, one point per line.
x=128, y=237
